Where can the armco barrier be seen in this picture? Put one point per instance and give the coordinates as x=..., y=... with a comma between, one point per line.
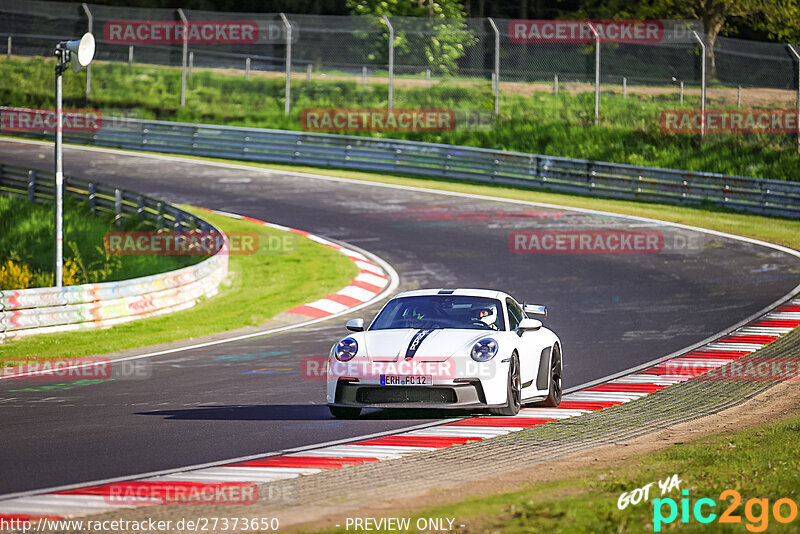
x=756, y=195
x=51, y=309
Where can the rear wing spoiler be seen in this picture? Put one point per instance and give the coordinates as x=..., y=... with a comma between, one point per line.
x=536, y=309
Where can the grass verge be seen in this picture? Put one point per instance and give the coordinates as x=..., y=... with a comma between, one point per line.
x=761, y=462
x=533, y=121
x=26, y=238
x=258, y=287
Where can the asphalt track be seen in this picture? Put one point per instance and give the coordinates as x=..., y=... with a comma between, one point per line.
x=612, y=311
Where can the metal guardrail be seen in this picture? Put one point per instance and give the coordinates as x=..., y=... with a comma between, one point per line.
x=601, y=179
x=52, y=309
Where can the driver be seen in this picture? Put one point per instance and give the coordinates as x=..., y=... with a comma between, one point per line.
x=488, y=316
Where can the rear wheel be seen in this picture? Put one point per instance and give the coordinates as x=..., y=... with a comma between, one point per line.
x=514, y=391
x=554, y=395
x=344, y=412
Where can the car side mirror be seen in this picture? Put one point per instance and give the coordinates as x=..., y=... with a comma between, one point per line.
x=535, y=309
x=528, y=324
x=355, y=325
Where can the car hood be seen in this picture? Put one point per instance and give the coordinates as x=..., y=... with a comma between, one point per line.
x=438, y=345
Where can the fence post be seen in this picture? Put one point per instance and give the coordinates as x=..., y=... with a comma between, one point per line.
x=391, y=61
x=624, y=87
x=8, y=51
x=89, y=66
x=364, y=76
x=31, y=186
x=191, y=64
x=702, y=87
x=247, y=69
x=428, y=78
x=739, y=97
x=92, y=200
x=796, y=55
x=555, y=84
x=184, y=55
x=287, y=106
x=596, y=74
x=140, y=207
x=117, y=207
x=681, y=92
x=160, y=215
x=308, y=72
x=496, y=67
x=130, y=56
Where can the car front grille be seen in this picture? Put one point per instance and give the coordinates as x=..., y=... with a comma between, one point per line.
x=400, y=395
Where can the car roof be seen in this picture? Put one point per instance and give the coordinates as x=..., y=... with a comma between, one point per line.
x=488, y=293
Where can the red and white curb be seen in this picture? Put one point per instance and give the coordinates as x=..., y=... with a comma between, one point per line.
x=372, y=279
x=698, y=361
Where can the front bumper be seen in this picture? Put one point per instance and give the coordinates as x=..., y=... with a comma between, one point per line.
x=460, y=394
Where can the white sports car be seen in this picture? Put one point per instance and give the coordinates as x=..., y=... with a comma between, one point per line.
x=446, y=348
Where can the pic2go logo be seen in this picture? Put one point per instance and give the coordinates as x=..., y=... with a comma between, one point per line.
x=756, y=511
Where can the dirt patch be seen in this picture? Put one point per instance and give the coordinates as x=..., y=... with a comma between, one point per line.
x=775, y=404
x=726, y=97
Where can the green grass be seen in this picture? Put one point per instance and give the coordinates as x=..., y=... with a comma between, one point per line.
x=26, y=235
x=543, y=123
x=761, y=462
x=258, y=287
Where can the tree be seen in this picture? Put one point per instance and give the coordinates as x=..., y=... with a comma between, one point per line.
x=779, y=18
x=428, y=33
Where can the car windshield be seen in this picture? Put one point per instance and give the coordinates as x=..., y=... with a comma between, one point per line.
x=441, y=311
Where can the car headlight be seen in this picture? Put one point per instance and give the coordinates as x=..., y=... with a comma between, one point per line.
x=484, y=350
x=346, y=349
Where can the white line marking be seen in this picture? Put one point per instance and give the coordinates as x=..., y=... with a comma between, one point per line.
x=659, y=380
x=328, y=305
x=763, y=330
x=371, y=279
x=461, y=432
x=603, y=396
x=358, y=293
x=53, y=504
x=734, y=347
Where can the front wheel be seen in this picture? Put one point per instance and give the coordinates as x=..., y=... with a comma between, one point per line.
x=553, y=398
x=344, y=412
x=514, y=391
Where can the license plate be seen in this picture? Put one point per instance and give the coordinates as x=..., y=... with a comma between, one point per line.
x=406, y=380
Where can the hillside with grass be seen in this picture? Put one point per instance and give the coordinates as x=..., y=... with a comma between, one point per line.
x=532, y=119
x=26, y=247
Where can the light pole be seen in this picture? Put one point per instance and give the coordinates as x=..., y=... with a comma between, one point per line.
x=77, y=54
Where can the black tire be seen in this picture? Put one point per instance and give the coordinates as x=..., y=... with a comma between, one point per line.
x=514, y=391
x=344, y=412
x=554, y=395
